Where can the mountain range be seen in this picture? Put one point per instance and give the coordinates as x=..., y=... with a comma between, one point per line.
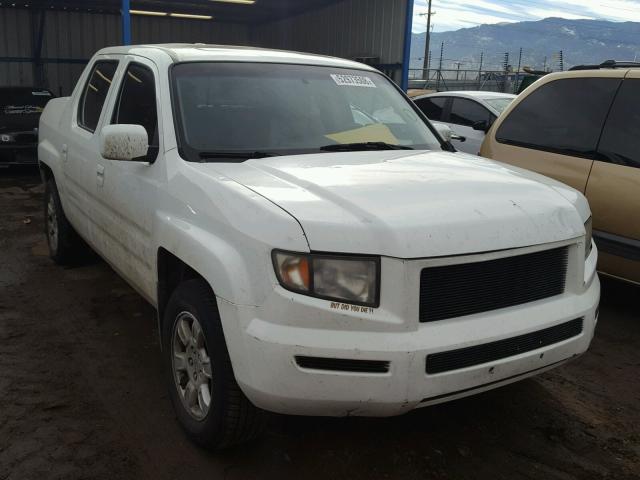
x=581, y=42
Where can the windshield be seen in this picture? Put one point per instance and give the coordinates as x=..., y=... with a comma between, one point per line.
x=23, y=101
x=279, y=109
x=499, y=104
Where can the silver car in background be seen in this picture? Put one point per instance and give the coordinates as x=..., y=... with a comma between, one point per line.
x=469, y=114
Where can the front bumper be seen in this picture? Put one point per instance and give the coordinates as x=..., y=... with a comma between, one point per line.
x=12, y=154
x=264, y=350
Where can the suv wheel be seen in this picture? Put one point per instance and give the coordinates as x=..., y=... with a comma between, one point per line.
x=209, y=403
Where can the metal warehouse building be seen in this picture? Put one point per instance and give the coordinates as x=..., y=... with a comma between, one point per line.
x=46, y=43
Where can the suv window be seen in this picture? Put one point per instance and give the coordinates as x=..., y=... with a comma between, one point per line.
x=467, y=112
x=432, y=107
x=95, y=93
x=621, y=137
x=565, y=116
x=136, y=104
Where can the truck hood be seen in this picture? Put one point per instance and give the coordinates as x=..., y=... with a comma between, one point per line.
x=410, y=204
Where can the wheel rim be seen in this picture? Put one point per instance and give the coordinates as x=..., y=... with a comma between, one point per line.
x=52, y=225
x=191, y=365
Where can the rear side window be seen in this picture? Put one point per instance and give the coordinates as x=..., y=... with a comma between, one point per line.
x=564, y=116
x=467, y=112
x=432, y=107
x=620, y=142
x=95, y=93
x=137, y=104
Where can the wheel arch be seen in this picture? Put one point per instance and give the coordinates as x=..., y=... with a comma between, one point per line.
x=172, y=271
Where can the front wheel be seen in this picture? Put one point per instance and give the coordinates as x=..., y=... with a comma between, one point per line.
x=209, y=403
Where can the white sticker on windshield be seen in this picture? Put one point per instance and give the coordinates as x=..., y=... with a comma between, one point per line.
x=353, y=81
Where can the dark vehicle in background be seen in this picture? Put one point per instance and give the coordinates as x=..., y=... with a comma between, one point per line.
x=20, y=109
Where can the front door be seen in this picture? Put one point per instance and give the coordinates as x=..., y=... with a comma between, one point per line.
x=463, y=115
x=129, y=188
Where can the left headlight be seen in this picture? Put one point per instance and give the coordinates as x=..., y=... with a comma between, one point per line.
x=351, y=279
x=6, y=137
x=588, y=244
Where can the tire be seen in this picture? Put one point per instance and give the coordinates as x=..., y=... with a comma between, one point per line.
x=230, y=418
x=65, y=246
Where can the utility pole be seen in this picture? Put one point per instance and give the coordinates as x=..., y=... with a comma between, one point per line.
x=505, y=68
x=515, y=87
x=561, y=61
x=480, y=69
x=440, y=67
x=458, y=70
x=427, y=53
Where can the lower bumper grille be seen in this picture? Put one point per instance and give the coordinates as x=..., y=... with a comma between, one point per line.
x=343, y=365
x=489, y=352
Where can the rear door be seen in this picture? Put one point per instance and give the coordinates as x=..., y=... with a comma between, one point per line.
x=80, y=153
x=463, y=115
x=555, y=129
x=613, y=188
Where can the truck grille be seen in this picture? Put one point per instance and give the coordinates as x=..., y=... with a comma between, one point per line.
x=489, y=352
x=456, y=290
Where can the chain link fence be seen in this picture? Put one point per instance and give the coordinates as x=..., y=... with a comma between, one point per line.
x=456, y=79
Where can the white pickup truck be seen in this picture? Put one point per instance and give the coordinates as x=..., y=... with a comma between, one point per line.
x=312, y=245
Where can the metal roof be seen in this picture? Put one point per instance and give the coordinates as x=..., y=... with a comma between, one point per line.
x=258, y=12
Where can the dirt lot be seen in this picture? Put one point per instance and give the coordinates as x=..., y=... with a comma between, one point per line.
x=82, y=394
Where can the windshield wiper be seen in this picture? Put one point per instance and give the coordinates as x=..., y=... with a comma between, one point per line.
x=361, y=146
x=236, y=155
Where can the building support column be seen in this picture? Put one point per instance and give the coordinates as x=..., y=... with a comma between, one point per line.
x=406, y=58
x=126, y=22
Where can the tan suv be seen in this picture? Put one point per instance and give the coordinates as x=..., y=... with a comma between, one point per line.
x=582, y=128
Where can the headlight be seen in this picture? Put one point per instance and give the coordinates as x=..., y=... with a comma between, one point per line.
x=343, y=278
x=588, y=226
x=6, y=137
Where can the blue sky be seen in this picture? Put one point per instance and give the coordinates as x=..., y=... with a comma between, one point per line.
x=455, y=14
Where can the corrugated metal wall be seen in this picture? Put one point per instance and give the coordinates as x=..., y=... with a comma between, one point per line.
x=351, y=28
x=71, y=38
x=15, y=41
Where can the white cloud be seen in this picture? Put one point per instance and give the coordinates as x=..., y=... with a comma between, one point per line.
x=455, y=14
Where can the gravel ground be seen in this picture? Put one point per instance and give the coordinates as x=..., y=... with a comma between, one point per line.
x=82, y=393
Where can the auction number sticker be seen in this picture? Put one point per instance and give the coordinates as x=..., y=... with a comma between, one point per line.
x=353, y=81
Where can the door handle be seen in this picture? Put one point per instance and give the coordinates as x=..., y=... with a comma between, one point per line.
x=65, y=150
x=100, y=175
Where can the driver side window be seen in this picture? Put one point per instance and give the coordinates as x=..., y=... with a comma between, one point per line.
x=467, y=113
x=137, y=105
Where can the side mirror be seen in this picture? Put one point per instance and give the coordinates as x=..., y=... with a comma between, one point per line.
x=482, y=126
x=448, y=134
x=123, y=142
x=444, y=131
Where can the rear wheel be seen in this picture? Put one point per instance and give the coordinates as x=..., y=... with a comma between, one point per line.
x=209, y=403
x=65, y=246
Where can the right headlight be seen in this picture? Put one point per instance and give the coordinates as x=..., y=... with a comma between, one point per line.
x=351, y=279
x=588, y=244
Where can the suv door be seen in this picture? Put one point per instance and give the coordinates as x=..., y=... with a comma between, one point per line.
x=554, y=130
x=129, y=189
x=463, y=115
x=613, y=189
x=80, y=153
